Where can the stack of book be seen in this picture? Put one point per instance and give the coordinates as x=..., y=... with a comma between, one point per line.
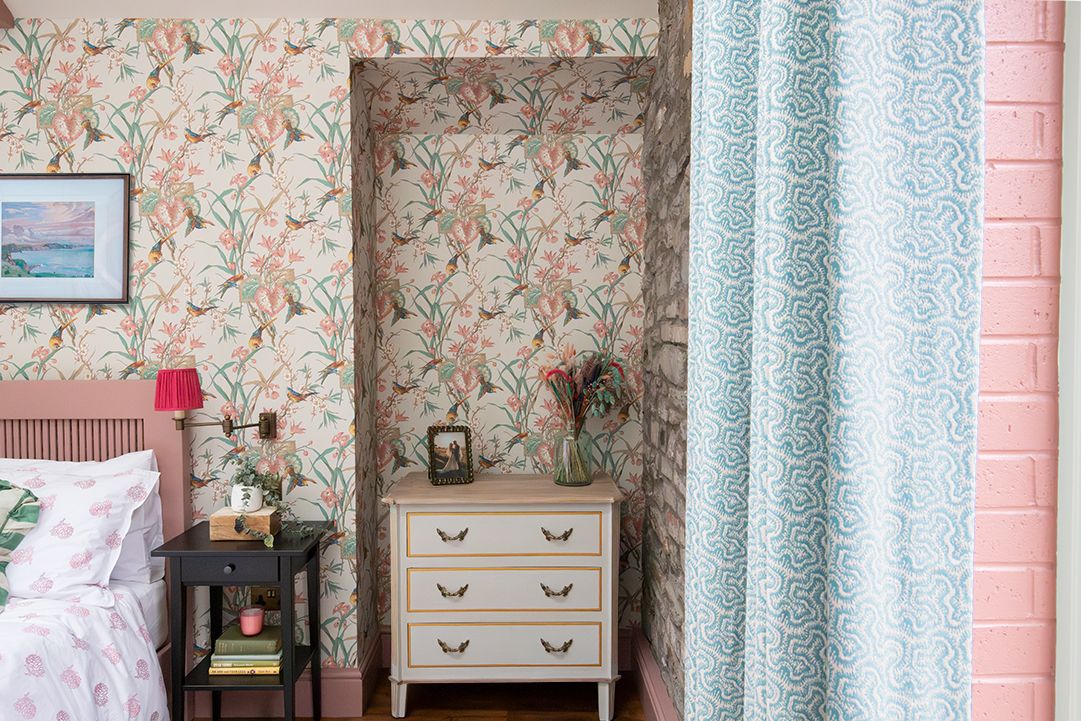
x=238, y=655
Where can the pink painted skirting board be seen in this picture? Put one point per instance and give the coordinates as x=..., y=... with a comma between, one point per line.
x=656, y=703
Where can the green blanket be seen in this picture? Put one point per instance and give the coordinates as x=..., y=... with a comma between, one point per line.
x=19, y=510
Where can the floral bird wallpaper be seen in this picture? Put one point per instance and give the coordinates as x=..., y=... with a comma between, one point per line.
x=236, y=133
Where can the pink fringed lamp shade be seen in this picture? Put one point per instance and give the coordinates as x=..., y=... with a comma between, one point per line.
x=178, y=390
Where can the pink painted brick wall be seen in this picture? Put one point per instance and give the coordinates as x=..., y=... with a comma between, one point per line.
x=1014, y=631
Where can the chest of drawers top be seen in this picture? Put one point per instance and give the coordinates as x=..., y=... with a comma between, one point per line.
x=520, y=489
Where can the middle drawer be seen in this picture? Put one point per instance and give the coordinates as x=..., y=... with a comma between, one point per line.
x=513, y=589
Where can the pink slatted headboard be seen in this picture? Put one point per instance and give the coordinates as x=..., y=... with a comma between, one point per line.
x=95, y=421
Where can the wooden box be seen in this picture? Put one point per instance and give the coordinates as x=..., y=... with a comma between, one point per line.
x=223, y=524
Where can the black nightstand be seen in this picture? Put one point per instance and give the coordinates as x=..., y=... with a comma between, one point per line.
x=195, y=560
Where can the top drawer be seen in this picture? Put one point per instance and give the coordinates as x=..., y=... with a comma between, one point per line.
x=503, y=533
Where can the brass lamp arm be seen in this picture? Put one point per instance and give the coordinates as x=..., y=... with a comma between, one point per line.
x=267, y=424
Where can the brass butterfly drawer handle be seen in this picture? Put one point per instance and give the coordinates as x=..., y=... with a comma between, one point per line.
x=557, y=649
x=447, y=593
x=549, y=536
x=447, y=538
x=557, y=594
x=451, y=649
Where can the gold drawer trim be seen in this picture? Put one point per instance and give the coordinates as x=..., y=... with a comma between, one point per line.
x=559, y=609
x=597, y=624
x=409, y=529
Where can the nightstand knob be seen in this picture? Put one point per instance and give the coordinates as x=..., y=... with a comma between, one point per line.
x=229, y=568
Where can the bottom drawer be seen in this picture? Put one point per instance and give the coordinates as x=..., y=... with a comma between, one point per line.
x=487, y=645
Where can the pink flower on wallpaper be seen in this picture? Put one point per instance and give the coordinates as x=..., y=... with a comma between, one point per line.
x=101, y=694
x=34, y=666
x=227, y=240
x=126, y=152
x=25, y=707
x=71, y=678
x=367, y=39
x=429, y=329
x=227, y=64
x=328, y=153
x=569, y=38
x=339, y=93
x=328, y=325
x=81, y=559
x=428, y=178
x=330, y=499
x=40, y=353
x=601, y=329
x=128, y=326
x=42, y=585
x=527, y=111
x=168, y=37
x=138, y=92
x=600, y=179
x=101, y=509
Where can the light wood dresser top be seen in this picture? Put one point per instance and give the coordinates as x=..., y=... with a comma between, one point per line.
x=501, y=488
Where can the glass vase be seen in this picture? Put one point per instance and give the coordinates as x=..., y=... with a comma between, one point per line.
x=573, y=465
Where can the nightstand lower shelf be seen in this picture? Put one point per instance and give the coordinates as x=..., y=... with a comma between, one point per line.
x=199, y=678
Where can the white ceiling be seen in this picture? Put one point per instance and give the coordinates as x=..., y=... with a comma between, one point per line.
x=408, y=9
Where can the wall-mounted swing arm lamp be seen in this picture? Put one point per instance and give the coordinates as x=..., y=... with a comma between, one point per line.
x=178, y=390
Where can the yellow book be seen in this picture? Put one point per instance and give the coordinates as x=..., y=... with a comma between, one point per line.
x=245, y=671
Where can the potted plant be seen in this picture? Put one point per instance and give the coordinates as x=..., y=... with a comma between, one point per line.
x=249, y=486
x=589, y=386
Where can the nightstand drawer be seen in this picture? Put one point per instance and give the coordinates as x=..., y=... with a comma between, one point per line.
x=503, y=589
x=484, y=645
x=502, y=533
x=229, y=570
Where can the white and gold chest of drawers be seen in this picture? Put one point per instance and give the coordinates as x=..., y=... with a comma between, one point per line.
x=509, y=578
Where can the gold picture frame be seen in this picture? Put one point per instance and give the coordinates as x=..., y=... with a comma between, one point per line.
x=450, y=455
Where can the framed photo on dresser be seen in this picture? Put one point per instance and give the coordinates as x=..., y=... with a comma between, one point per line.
x=450, y=455
x=64, y=238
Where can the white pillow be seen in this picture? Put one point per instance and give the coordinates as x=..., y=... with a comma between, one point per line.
x=82, y=524
x=134, y=562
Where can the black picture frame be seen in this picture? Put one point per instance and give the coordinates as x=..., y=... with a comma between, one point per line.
x=118, y=257
x=438, y=460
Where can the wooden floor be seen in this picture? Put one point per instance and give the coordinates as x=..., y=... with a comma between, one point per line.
x=505, y=702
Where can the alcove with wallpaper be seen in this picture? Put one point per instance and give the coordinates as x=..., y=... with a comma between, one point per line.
x=499, y=215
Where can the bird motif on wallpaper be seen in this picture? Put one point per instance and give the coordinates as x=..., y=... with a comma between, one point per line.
x=126, y=23
x=53, y=166
x=438, y=80
x=154, y=254
x=625, y=264
x=573, y=163
x=486, y=238
x=517, y=291
x=572, y=312
x=463, y=119
x=575, y=240
x=193, y=137
x=153, y=80
x=494, y=49
x=94, y=310
x=255, y=341
x=192, y=46
x=294, y=479
x=430, y=216
x=293, y=134
x=231, y=282
x=495, y=97
x=399, y=239
x=229, y=109
x=487, y=165
x=538, y=189
x=485, y=314
x=486, y=386
x=131, y=369
x=57, y=338
x=329, y=196
x=517, y=141
x=430, y=365
x=525, y=25
x=588, y=99
x=26, y=109
x=399, y=311
x=399, y=162
x=255, y=165
x=294, y=49
x=233, y=454
x=538, y=339
x=294, y=307
x=195, y=221
x=92, y=134
x=400, y=461
x=330, y=370
x=93, y=50
x=297, y=223
x=297, y=396
x=394, y=47
x=401, y=390
x=452, y=264
x=603, y=216
x=639, y=121
x=516, y=439
x=552, y=67
x=196, y=311
x=485, y=463
x=404, y=99
x=324, y=24
x=452, y=412
x=596, y=47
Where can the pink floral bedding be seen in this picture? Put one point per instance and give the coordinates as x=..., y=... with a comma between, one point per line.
x=62, y=660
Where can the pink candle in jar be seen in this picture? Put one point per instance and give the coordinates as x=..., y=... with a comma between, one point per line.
x=251, y=620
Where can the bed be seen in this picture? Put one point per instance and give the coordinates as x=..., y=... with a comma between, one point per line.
x=104, y=659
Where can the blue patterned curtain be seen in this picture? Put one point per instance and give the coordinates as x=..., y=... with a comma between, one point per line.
x=836, y=233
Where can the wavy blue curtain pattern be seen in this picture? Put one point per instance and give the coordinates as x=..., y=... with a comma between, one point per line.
x=836, y=239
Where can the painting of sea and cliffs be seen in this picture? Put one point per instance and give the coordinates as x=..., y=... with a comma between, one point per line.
x=47, y=239
x=64, y=238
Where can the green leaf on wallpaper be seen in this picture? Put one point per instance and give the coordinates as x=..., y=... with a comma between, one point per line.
x=547, y=29
x=532, y=296
x=445, y=221
x=446, y=370
x=531, y=444
x=144, y=31
x=47, y=112
x=347, y=375
x=349, y=545
x=246, y=114
x=248, y=289
x=148, y=201
x=346, y=28
x=533, y=146
x=454, y=85
x=619, y=221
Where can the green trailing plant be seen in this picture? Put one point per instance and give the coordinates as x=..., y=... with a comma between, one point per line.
x=248, y=476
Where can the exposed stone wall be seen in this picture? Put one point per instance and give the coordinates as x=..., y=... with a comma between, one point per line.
x=666, y=156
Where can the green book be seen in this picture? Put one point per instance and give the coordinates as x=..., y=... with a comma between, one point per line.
x=232, y=641
x=271, y=662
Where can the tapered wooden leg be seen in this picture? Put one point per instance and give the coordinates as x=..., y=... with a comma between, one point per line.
x=606, y=701
x=397, y=699
x=178, y=639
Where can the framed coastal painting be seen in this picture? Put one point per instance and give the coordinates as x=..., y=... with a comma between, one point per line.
x=450, y=455
x=64, y=238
